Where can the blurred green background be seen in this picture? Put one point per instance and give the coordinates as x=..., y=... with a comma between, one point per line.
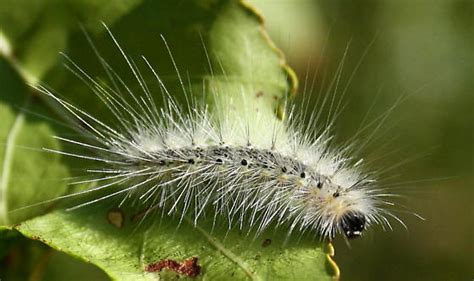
x=422, y=49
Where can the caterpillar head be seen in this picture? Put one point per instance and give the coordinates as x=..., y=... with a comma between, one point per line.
x=352, y=224
x=337, y=208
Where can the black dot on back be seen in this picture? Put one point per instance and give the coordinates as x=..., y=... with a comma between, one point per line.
x=243, y=162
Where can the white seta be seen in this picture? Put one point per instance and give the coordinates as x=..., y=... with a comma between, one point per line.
x=250, y=172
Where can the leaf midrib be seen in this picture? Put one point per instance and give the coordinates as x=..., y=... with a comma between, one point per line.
x=226, y=252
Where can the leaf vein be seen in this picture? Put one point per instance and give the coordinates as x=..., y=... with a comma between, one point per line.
x=226, y=252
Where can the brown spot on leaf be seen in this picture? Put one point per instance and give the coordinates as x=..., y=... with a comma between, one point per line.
x=267, y=242
x=187, y=267
x=259, y=94
x=116, y=217
x=39, y=238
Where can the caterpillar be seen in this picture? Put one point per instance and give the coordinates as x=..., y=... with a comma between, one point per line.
x=250, y=171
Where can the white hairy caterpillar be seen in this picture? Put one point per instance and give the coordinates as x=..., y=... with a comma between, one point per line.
x=252, y=172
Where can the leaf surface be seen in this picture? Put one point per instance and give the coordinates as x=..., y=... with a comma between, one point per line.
x=125, y=252
x=27, y=173
x=224, y=57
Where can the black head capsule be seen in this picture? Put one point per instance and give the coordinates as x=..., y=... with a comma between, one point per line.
x=353, y=224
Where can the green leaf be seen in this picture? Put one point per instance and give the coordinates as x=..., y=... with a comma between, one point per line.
x=27, y=174
x=124, y=252
x=26, y=259
x=245, y=74
x=37, y=31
